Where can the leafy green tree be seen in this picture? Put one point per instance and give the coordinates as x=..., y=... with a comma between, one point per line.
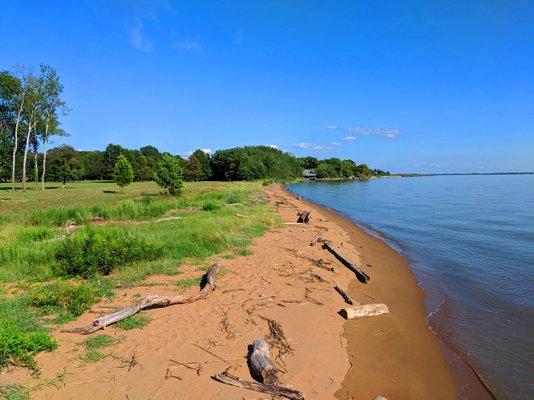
x=111, y=155
x=64, y=165
x=204, y=159
x=193, y=169
x=169, y=174
x=123, y=172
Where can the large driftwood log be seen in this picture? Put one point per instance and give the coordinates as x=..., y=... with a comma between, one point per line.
x=261, y=363
x=263, y=368
x=343, y=294
x=273, y=390
x=152, y=300
x=360, y=274
x=304, y=217
x=364, y=310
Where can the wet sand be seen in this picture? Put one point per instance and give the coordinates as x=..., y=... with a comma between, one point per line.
x=395, y=355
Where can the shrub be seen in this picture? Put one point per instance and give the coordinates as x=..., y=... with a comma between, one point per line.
x=169, y=174
x=123, y=172
x=67, y=301
x=99, y=251
x=210, y=206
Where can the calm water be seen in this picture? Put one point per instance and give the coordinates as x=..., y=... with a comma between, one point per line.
x=470, y=241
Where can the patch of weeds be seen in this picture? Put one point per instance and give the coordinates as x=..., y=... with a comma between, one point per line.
x=186, y=283
x=92, y=251
x=228, y=256
x=93, y=345
x=233, y=199
x=12, y=391
x=210, y=206
x=137, y=321
x=21, y=335
x=243, y=251
x=67, y=301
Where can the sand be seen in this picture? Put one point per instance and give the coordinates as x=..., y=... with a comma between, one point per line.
x=395, y=355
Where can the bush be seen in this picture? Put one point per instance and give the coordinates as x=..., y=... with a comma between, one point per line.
x=99, y=251
x=169, y=175
x=210, y=206
x=67, y=301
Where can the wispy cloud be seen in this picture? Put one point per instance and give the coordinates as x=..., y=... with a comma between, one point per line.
x=336, y=144
x=302, y=145
x=138, y=38
x=349, y=138
x=389, y=133
x=189, y=46
x=331, y=127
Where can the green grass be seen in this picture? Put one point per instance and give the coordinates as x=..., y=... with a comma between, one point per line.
x=50, y=274
x=93, y=346
x=137, y=321
x=187, y=283
x=14, y=392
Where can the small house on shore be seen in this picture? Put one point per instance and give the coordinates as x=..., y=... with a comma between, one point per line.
x=309, y=174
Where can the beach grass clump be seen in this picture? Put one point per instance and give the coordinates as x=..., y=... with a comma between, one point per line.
x=137, y=321
x=189, y=282
x=12, y=391
x=94, y=251
x=21, y=334
x=66, y=300
x=93, y=347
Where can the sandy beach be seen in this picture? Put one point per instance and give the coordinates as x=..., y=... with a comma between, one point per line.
x=175, y=356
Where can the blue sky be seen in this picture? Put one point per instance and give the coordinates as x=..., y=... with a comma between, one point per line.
x=405, y=86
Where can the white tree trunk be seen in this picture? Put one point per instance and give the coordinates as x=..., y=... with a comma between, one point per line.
x=26, y=145
x=15, y=146
x=45, y=143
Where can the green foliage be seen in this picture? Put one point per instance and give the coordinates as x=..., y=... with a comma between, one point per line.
x=93, y=345
x=123, y=172
x=93, y=251
x=169, y=175
x=21, y=335
x=210, y=206
x=186, y=283
x=137, y=321
x=67, y=301
x=14, y=392
x=63, y=165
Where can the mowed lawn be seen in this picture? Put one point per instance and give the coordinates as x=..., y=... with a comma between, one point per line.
x=63, y=250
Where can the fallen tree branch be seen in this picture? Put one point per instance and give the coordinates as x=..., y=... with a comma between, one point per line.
x=364, y=310
x=152, y=300
x=360, y=274
x=304, y=217
x=343, y=294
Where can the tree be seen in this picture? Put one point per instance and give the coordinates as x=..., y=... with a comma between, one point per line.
x=52, y=106
x=64, y=165
x=123, y=172
x=33, y=104
x=111, y=155
x=169, y=174
x=193, y=169
x=204, y=159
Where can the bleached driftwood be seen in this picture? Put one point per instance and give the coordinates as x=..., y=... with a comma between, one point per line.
x=152, y=300
x=261, y=363
x=264, y=369
x=343, y=294
x=304, y=217
x=360, y=274
x=364, y=310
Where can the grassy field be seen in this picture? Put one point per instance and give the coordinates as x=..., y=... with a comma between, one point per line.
x=63, y=250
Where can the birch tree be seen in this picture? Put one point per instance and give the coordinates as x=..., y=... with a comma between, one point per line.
x=32, y=103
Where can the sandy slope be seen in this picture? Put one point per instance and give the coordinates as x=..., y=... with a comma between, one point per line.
x=395, y=356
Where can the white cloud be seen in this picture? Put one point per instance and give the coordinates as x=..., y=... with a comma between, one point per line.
x=391, y=133
x=190, y=152
x=272, y=146
x=349, y=138
x=331, y=127
x=302, y=145
x=336, y=143
x=138, y=39
x=188, y=45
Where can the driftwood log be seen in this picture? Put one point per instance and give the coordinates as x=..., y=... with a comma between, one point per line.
x=360, y=274
x=152, y=300
x=343, y=294
x=304, y=217
x=265, y=370
x=364, y=310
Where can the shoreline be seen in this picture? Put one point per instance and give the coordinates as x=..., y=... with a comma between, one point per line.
x=469, y=384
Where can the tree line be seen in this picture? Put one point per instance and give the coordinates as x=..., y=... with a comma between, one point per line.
x=31, y=107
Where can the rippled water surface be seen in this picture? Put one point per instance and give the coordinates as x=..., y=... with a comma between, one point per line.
x=470, y=241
